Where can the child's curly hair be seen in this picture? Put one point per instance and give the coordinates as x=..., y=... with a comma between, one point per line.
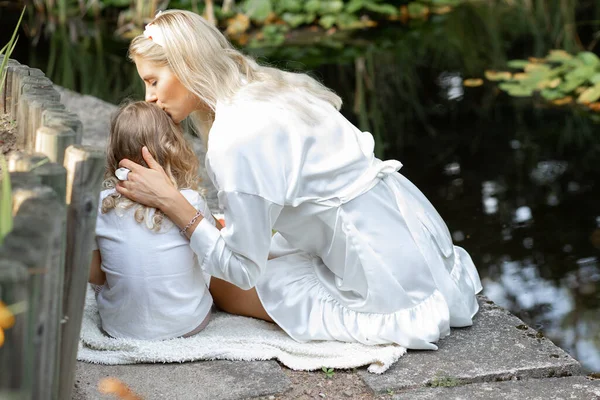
x=141, y=124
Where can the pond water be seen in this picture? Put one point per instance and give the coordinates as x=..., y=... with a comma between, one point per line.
x=517, y=182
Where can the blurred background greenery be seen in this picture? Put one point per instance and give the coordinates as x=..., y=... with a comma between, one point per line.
x=514, y=172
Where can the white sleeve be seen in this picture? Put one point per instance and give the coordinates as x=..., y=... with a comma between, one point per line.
x=238, y=253
x=251, y=181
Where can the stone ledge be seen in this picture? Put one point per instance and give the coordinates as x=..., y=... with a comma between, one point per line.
x=226, y=380
x=498, y=347
x=543, y=389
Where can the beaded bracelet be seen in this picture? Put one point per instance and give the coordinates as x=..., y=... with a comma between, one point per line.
x=198, y=215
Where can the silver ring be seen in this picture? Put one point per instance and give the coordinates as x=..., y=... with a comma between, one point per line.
x=122, y=173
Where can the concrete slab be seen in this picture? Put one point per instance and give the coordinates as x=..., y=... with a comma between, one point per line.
x=214, y=380
x=533, y=389
x=498, y=347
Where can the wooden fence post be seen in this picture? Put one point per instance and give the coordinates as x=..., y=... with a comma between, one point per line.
x=85, y=169
x=53, y=141
x=7, y=84
x=22, y=161
x=37, y=240
x=37, y=106
x=64, y=118
x=13, y=290
x=11, y=70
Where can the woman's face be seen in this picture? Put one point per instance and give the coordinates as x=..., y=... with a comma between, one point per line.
x=164, y=89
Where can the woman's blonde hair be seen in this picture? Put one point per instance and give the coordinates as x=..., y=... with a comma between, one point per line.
x=141, y=124
x=208, y=65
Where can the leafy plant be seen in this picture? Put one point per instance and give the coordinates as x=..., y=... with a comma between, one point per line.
x=329, y=372
x=559, y=78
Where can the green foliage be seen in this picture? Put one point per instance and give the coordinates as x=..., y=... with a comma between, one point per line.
x=444, y=381
x=557, y=78
x=6, y=220
x=329, y=372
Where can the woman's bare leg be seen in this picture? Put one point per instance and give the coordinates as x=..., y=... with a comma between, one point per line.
x=234, y=300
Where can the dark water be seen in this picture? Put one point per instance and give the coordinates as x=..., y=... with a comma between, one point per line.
x=517, y=182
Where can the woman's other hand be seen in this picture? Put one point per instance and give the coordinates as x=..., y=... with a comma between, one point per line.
x=148, y=186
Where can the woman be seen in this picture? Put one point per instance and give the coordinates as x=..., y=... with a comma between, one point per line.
x=360, y=255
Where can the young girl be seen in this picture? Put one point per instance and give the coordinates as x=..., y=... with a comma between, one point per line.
x=153, y=287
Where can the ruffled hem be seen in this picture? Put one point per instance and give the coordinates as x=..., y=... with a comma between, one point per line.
x=296, y=300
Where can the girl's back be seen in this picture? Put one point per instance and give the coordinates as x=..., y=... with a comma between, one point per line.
x=155, y=288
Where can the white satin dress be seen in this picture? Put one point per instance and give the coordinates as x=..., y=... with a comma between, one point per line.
x=360, y=255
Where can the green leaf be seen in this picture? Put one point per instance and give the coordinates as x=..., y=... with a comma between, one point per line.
x=258, y=10
x=386, y=9
x=589, y=58
x=416, y=10
x=331, y=7
x=584, y=72
x=517, y=64
x=6, y=218
x=294, y=20
x=355, y=5
x=559, y=56
x=312, y=6
x=327, y=21
x=293, y=6
x=9, y=48
x=516, y=90
x=552, y=94
x=595, y=79
x=571, y=84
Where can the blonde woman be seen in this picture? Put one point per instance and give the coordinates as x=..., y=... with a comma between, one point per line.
x=152, y=286
x=360, y=255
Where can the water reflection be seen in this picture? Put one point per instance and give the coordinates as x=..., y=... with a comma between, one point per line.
x=517, y=182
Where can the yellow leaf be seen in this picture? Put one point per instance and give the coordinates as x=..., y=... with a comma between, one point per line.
x=441, y=10
x=534, y=67
x=535, y=60
x=7, y=319
x=563, y=101
x=237, y=25
x=519, y=76
x=497, y=75
x=1, y=337
x=473, y=82
x=594, y=106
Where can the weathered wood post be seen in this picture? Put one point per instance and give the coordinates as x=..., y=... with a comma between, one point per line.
x=14, y=291
x=23, y=161
x=53, y=141
x=85, y=168
x=37, y=240
x=36, y=108
x=54, y=118
x=13, y=68
x=7, y=84
x=50, y=174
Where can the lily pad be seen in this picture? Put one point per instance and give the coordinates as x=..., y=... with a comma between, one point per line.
x=497, y=75
x=517, y=64
x=473, y=82
x=552, y=94
x=590, y=95
x=559, y=56
x=589, y=58
x=515, y=89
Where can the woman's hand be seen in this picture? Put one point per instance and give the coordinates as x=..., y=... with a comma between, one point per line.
x=148, y=186
x=153, y=188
